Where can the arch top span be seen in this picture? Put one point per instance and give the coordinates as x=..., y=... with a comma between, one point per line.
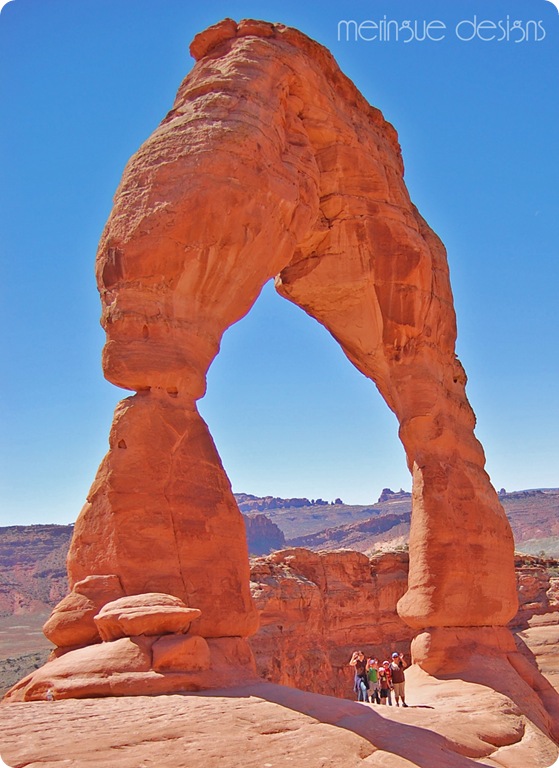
x=271, y=164
x=210, y=42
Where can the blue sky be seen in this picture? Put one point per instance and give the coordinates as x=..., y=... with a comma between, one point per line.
x=84, y=82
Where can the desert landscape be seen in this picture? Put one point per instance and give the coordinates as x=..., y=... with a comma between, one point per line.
x=310, y=619
x=164, y=642
x=291, y=598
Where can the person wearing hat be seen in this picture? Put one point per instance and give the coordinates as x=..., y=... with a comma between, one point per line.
x=397, y=666
x=385, y=683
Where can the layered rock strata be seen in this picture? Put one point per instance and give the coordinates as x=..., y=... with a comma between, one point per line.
x=271, y=164
x=317, y=608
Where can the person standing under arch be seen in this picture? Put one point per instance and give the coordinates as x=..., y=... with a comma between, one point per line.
x=397, y=666
x=361, y=683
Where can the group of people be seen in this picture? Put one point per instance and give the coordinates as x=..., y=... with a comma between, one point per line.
x=375, y=682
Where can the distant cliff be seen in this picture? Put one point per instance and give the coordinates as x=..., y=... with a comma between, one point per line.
x=388, y=495
x=33, y=567
x=317, y=607
x=262, y=535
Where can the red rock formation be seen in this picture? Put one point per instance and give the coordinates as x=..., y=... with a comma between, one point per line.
x=306, y=164
x=161, y=512
x=272, y=164
x=148, y=647
x=538, y=591
x=316, y=608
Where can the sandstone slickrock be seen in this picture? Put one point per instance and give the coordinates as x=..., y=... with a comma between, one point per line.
x=451, y=724
x=271, y=164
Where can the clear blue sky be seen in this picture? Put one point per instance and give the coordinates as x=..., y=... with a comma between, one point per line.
x=84, y=82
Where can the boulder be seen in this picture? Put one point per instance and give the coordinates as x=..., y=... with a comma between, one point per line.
x=147, y=614
x=72, y=620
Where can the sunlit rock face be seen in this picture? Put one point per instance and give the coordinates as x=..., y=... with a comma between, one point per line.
x=271, y=164
x=316, y=608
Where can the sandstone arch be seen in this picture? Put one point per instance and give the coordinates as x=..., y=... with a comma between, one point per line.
x=272, y=164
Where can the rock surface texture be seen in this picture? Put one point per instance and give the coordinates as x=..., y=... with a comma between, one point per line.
x=449, y=724
x=317, y=608
x=271, y=164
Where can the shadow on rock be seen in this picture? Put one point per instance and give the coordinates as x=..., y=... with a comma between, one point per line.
x=422, y=747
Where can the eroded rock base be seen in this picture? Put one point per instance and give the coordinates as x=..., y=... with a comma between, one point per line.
x=490, y=656
x=140, y=666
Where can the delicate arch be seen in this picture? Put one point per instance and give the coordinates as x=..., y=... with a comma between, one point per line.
x=272, y=164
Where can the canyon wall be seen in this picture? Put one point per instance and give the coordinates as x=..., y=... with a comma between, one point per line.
x=316, y=608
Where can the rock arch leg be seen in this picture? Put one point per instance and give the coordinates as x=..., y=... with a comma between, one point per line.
x=461, y=546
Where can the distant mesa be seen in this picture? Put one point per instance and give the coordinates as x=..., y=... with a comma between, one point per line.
x=529, y=494
x=249, y=503
x=389, y=495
